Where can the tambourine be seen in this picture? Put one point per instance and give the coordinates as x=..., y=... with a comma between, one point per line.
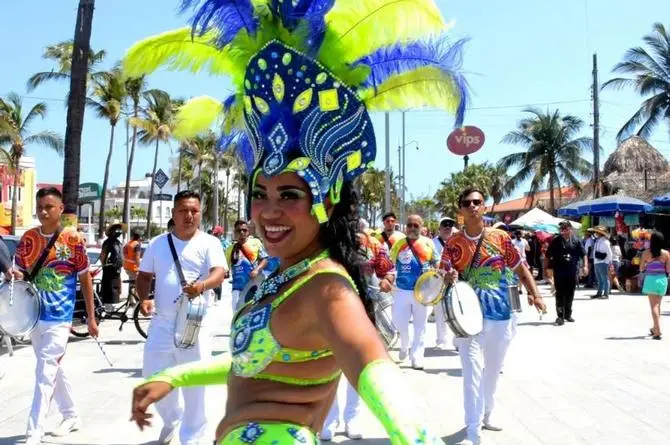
x=430, y=287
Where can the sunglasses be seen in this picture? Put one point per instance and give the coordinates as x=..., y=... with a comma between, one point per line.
x=467, y=202
x=447, y=225
x=241, y=230
x=412, y=226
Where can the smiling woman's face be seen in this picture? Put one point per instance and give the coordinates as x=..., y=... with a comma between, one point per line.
x=281, y=211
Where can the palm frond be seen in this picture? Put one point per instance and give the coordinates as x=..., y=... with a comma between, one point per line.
x=50, y=139
x=38, y=79
x=38, y=110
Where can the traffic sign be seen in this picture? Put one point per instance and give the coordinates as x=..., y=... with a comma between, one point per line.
x=161, y=178
x=465, y=141
x=162, y=197
x=89, y=191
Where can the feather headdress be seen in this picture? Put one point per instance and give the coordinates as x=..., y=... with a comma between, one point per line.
x=306, y=75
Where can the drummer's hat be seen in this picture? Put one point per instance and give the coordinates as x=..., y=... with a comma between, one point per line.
x=115, y=225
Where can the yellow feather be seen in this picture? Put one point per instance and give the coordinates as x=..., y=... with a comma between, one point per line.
x=177, y=50
x=363, y=26
x=425, y=87
x=196, y=115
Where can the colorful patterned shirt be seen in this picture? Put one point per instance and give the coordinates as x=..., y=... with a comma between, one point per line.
x=408, y=268
x=394, y=238
x=56, y=281
x=377, y=254
x=491, y=275
x=244, y=259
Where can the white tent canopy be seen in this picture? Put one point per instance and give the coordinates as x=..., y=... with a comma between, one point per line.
x=536, y=218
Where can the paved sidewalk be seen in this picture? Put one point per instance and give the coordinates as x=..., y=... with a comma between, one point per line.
x=600, y=380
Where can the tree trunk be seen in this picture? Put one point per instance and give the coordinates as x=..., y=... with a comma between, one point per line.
x=181, y=158
x=129, y=170
x=151, y=191
x=103, y=194
x=15, y=193
x=225, y=203
x=75, y=109
x=239, y=201
x=216, y=190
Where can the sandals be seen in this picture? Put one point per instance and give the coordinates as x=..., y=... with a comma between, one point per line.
x=654, y=336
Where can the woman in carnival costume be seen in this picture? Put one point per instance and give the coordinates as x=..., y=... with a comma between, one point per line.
x=306, y=73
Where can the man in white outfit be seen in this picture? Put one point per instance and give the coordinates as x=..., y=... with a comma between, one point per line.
x=204, y=265
x=446, y=230
x=494, y=261
x=411, y=256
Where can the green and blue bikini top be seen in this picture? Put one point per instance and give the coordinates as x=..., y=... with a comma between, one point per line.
x=254, y=347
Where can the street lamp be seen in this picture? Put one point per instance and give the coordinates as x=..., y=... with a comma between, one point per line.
x=402, y=173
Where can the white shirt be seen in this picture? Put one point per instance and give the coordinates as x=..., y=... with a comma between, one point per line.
x=438, y=246
x=197, y=257
x=602, y=244
x=521, y=246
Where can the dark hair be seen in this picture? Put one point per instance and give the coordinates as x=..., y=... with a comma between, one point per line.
x=135, y=235
x=186, y=194
x=170, y=223
x=467, y=191
x=50, y=191
x=389, y=214
x=656, y=243
x=339, y=235
x=239, y=223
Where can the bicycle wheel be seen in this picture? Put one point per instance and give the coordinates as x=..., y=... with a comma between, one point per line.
x=141, y=321
x=79, y=327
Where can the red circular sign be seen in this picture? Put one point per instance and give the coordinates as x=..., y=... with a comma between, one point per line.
x=466, y=140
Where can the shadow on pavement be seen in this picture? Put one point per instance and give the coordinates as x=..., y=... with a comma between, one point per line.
x=122, y=342
x=639, y=337
x=455, y=438
x=451, y=372
x=366, y=441
x=537, y=323
x=132, y=372
x=433, y=352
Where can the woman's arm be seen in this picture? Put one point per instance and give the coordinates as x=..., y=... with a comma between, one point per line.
x=339, y=316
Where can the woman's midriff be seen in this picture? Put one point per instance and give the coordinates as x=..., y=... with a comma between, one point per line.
x=264, y=400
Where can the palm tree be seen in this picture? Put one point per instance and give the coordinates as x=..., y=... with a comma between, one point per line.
x=135, y=87
x=553, y=153
x=154, y=126
x=650, y=71
x=75, y=108
x=107, y=102
x=14, y=132
x=475, y=175
x=200, y=151
x=499, y=189
x=61, y=55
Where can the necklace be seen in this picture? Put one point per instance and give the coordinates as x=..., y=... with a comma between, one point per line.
x=271, y=284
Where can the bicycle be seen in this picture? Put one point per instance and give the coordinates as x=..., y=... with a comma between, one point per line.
x=79, y=327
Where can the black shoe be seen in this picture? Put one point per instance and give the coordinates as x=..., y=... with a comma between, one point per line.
x=606, y=297
x=559, y=321
x=570, y=319
x=596, y=296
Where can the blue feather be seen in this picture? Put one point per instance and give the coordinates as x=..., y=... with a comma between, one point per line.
x=396, y=59
x=229, y=17
x=312, y=13
x=229, y=102
x=238, y=140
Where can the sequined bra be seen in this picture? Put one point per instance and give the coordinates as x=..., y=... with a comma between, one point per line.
x=254, y=347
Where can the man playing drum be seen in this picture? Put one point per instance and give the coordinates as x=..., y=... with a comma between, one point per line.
x=493, y=260
x=204, y=265
x=56, y=283
x=411, y=256
x=445, y=231
x=247, y=259
x=389, y=235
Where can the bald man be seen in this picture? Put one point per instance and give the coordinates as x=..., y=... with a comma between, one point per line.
x=411, y=255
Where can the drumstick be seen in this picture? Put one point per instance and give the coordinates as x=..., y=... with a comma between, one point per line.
x=103, y=352
x=11, y=283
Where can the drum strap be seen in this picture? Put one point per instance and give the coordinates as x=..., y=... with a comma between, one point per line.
x=476, y=256
x=388, y=241
x=43, y=257
x=175, y=257
x=410, y=244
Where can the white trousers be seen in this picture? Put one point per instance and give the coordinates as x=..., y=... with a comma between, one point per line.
x=404, y=308
x=352, y=407
x=235, y=300
x=482, y=358
x=441, y=325
x=49, y=340
x=161, y=353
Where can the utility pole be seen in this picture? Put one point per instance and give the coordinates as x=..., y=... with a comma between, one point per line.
x=387, y=179
x=596, y=130
x=403, y=174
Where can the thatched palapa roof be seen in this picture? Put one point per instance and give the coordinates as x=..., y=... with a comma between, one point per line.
x=635, y=155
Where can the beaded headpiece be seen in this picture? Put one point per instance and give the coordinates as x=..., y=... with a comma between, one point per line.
x=306, y=74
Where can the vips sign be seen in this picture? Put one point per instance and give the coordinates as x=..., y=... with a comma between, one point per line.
x=465, y=141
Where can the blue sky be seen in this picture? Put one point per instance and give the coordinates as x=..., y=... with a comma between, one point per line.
x=521, y=52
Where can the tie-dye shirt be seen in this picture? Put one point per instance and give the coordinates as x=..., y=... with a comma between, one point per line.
x=494, y=272
x=56, y=281
x=394, y=238
x=408, y=269
x=377, y=254
x=247, y=258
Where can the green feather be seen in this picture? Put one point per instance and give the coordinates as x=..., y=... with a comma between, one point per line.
x=196, y=115
x=422, y=88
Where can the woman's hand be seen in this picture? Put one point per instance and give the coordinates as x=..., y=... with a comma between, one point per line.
x=143, y=397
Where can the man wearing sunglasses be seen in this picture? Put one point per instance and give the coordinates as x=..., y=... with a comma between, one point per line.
x=247, y=259
x=390, y=235
x=445, y=231
x=494, y=261
x=411, y=255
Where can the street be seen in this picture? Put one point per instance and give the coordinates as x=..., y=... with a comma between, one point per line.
x=597, y=381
